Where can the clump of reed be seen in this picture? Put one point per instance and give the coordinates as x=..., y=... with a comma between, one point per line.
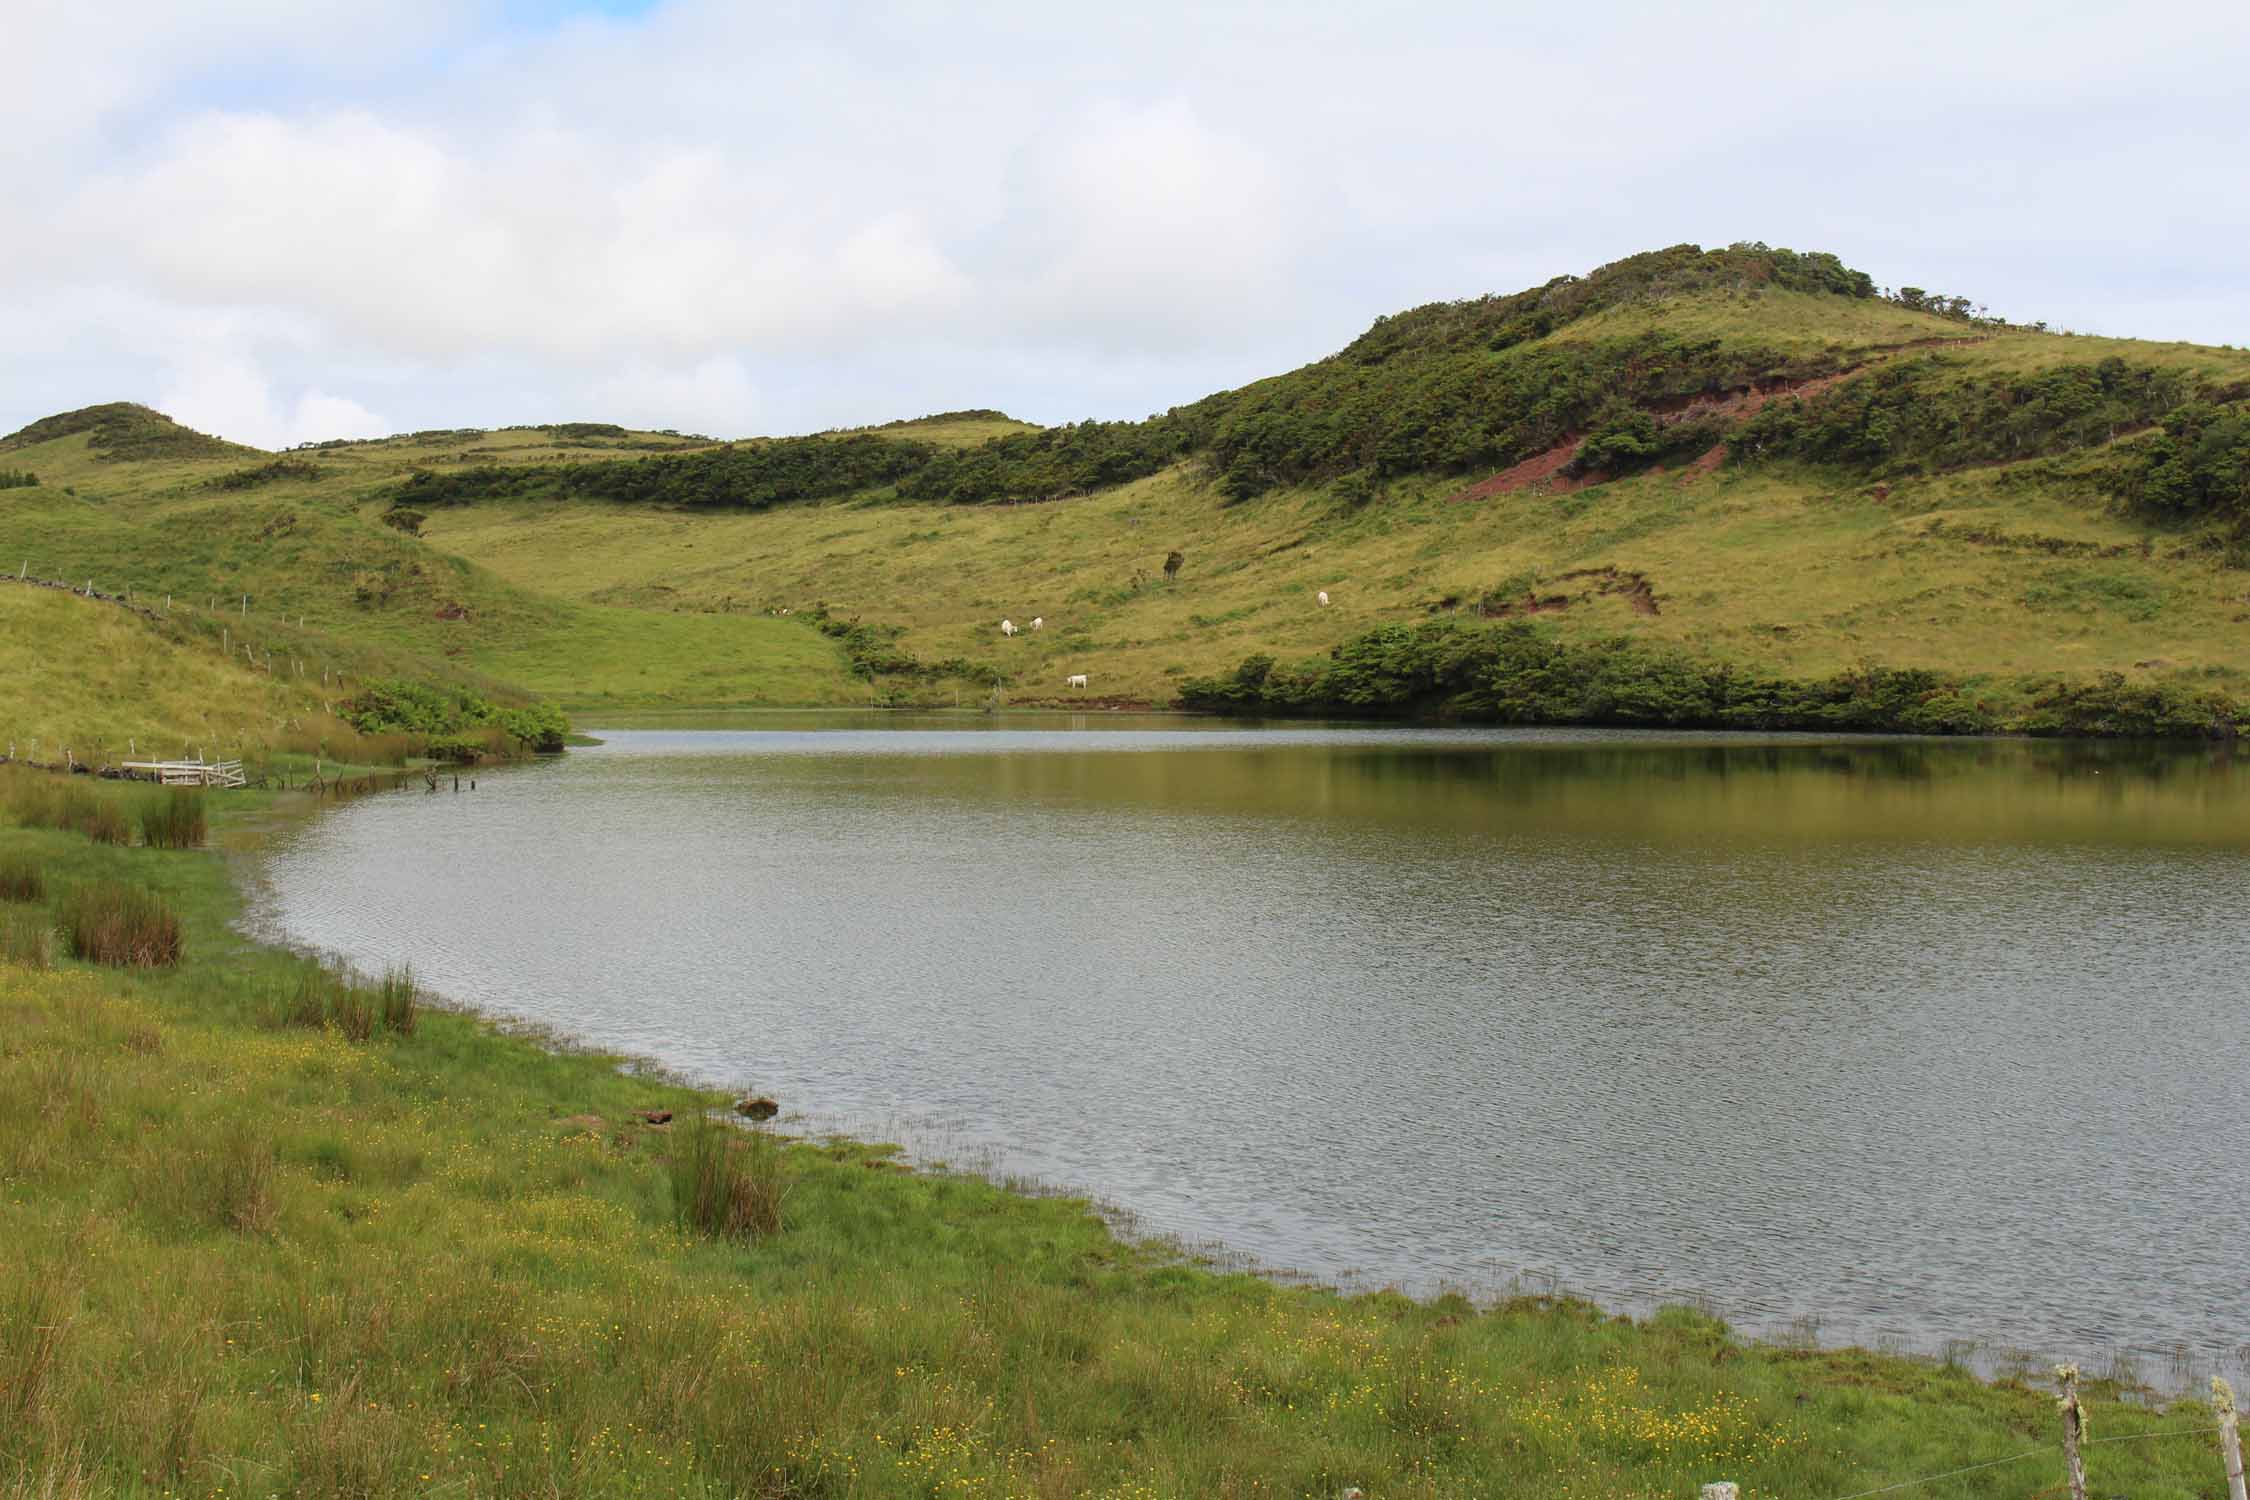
x=727, y=1183
x=27, y=937
x=399, y=1000
x=171, y=817
x=327, y=995
x=229, y=1181
x=112, y=922
x=40, y=801
x=21, y=879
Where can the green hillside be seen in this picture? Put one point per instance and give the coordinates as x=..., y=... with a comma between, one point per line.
x=1745, y=461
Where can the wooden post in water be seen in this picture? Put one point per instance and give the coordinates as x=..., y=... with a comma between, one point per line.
x=2074, y=1430
x=2230, y=1437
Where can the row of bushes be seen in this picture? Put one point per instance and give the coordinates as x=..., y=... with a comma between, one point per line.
x=18, y=479
x=281, y=468
x=736, y=476
x=1518, y=672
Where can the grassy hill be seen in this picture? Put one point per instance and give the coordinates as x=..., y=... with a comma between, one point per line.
x=291, y=548
x=1744, y=456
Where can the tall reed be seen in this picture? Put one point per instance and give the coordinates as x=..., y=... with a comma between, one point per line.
x=111, y=922
x=399, y=1001
x=171, y=817
x=727, y=1183
x=330, y=995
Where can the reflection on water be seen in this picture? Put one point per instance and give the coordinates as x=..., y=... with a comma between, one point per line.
x=1924, y=1040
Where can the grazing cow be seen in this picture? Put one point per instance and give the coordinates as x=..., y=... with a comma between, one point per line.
x=1076, y=680
x=1036, y=622
x=1007, y=627
x=1323, y=596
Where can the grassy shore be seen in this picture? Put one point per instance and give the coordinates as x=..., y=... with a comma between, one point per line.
x=241, y=1254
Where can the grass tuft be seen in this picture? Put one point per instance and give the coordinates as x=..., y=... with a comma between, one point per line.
x=21, y=878
x=328, y=995
x=27, y=938
x=171, y=818
x=112, y=922
x=34, y=1320
x=727, y=1183
x=399, y=1001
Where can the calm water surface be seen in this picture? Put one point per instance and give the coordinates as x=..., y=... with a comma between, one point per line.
x=1923, y=1041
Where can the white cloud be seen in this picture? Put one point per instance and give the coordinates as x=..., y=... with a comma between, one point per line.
x=814, y=213
x=714, y=396
x=227, y=395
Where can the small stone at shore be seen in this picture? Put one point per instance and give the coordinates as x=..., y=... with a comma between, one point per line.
x=756, y=1107
x=655, y=1116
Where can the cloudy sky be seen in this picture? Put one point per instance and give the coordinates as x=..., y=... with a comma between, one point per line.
x=285, y=220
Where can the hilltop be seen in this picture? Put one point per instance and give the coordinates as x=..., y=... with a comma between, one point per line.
x=1752, y=458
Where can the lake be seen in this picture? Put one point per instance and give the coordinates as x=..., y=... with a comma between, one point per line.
x=1895, y=1042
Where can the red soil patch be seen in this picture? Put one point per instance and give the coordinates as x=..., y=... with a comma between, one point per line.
x=1544, y=473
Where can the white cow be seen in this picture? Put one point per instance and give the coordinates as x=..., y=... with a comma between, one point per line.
x=1036, y=622
x=1007, y=627
x=1323, y=597
x=1076, y=680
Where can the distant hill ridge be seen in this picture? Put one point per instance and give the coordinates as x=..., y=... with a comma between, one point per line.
x=125, y=431
x=1451, y=387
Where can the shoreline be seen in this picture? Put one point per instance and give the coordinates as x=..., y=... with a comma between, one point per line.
x=956, y=1149
x=445, y=1258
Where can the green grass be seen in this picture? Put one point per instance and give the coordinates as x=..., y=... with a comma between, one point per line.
x=236, y=1258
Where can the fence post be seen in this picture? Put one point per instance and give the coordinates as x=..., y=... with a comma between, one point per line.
x=2074, y=1429
x=2230, y=1436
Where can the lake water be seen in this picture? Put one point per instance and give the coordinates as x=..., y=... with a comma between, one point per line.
x=1923, y=1041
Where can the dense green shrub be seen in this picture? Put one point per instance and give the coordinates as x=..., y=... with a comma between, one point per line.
x=18, y=479
x=1520, y=673
x=448, y=718
x=280, y=468
x=2199, y=465
x=1922, y=414
x=737, y=476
